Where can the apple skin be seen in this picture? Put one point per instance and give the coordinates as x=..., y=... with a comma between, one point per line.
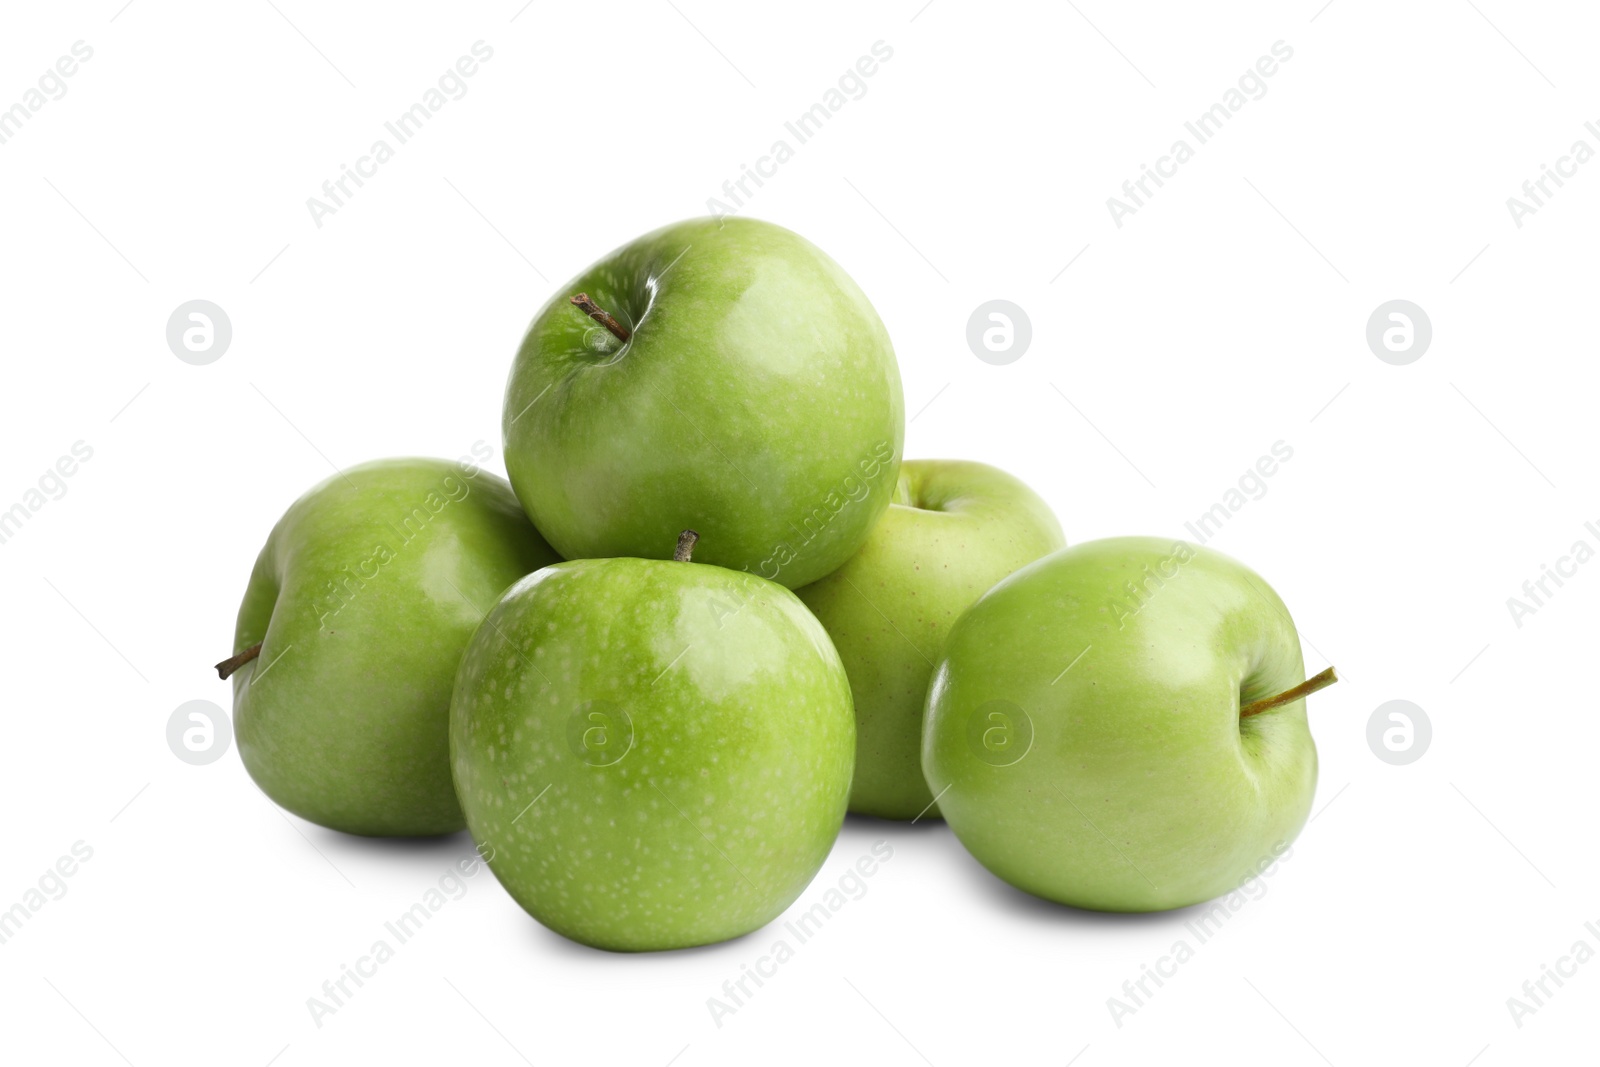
x=652, y=754
x=757, y=401
x=954, y=529
x=364, y=597
x=1140, y=788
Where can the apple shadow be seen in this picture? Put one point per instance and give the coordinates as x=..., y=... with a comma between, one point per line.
x=1005, y=897
x=879, y=825
x=442, y=846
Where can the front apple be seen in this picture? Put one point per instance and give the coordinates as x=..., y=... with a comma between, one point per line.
x=652, y=754
x=1084, y=728
x=722, y=375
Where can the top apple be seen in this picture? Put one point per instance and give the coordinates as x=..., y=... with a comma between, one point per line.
x=722, y=375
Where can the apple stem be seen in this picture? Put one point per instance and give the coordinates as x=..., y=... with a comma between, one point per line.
x=685, y=548
x=600, y=315
x=233, y=663
x=1289, y=696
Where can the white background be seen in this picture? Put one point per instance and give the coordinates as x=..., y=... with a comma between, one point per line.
x=1228, y=314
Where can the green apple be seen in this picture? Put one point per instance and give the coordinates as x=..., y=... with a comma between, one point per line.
x=355, y=617
x=725, y=375
x=1103, y=729
x=652, y=754
x=954, y=529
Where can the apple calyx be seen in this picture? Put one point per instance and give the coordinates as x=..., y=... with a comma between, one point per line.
x=600, y=315
x=685, y=549
x=233, y=663
x=1289, y=696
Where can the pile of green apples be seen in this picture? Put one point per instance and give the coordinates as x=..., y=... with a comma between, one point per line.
x=713, y=610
